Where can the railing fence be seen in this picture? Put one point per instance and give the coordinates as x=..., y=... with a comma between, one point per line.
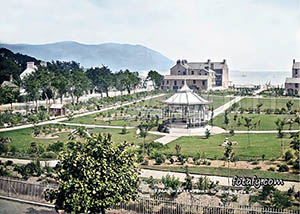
x=20, y=189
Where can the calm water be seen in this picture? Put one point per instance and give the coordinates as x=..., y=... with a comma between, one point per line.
x=244, y=77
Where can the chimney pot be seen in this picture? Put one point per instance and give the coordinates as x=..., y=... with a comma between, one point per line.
x=294, y=61
x=224, y=61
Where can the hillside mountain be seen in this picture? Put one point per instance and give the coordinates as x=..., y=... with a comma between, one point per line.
x=13, y=64
x=115, y=56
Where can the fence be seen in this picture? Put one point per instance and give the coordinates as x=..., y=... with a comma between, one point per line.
x=35, y=192
x=20, y=189
x=162, y=206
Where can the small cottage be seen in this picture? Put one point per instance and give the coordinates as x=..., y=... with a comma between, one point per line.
x=57, y=110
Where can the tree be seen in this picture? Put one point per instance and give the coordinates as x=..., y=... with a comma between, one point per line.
x=143, y=134
x=94, y=174
x=289, y=105
x=102, y=79
x=79, y=84
x=280, y=124
x=8, y=95
x=226, y=119
x=228, y=154
x=131, y=80
x=155, y=77
x=33, y=86
x=207, y=133
x=248, y=124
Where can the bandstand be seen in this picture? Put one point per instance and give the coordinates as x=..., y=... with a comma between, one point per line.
x=186, y=109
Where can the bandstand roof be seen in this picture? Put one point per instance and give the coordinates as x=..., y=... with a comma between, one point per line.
x=186, y=96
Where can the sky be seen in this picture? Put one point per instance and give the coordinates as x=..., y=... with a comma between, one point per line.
x=252, y=35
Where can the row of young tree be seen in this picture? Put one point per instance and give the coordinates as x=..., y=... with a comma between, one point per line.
x=61, y=79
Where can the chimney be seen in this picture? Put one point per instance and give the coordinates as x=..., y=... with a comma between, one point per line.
x=178, y=62
x=30, y=65
x=11, y=78
x=224, y=61
x=294, y=61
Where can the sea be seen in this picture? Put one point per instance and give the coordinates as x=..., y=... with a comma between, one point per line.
x=258, y=77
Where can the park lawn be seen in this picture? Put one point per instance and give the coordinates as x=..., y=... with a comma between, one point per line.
x=267, y=144
x=158, y=101
x=269, y=103
x=22, y=138
x=130, y=121
x=217, y=100
x=267, y=121
x=221, y=171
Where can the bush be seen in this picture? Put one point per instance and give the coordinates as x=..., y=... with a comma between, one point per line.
x=140, y=158
x=272, y=169
x=56, y=147
x=283, y=168
x=288, y=156
x=50, y=154
x=124, y=130
x=257, y=168
x=3, y=148
x=296, y=164
x=9, y=163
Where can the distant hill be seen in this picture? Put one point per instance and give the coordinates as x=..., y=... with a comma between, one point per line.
x=13, y=64
x=115, y=56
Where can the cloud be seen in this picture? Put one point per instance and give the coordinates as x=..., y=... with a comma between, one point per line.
x=250, y=34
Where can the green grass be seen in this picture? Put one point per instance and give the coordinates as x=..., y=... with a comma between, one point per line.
x=220, y=171
x=22, y=138
x=217, y=100
x=267, y=144
x=267, y=121
x=130, y=121
x=269, y=103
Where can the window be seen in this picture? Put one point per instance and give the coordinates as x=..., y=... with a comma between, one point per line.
x=182, y=82
x=296, y=85
x=194, y=81
x=167, y=82
x=175, y=82
x=178, y=72
x=199, y=73
x=184, y=73
x=163, y=82
x=192, y=72
x=203, y=82
x=206, y=73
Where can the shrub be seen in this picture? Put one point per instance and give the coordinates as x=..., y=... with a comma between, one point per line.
x=296, y=164
x=49, y=154
x=207, y=133
x=257, y=168
x=283, y=168
x=171, y=183
x=9, y=163
x=140, y=158
x=271, y=169
x=3, y=148
x=288, y=156
x=231, y=132
x=124, y=130
x=56, y=147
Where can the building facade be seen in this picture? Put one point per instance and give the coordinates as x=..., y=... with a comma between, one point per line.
x=198, y=75
x=292, y=85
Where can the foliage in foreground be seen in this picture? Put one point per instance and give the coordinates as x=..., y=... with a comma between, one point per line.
x=93, y=175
